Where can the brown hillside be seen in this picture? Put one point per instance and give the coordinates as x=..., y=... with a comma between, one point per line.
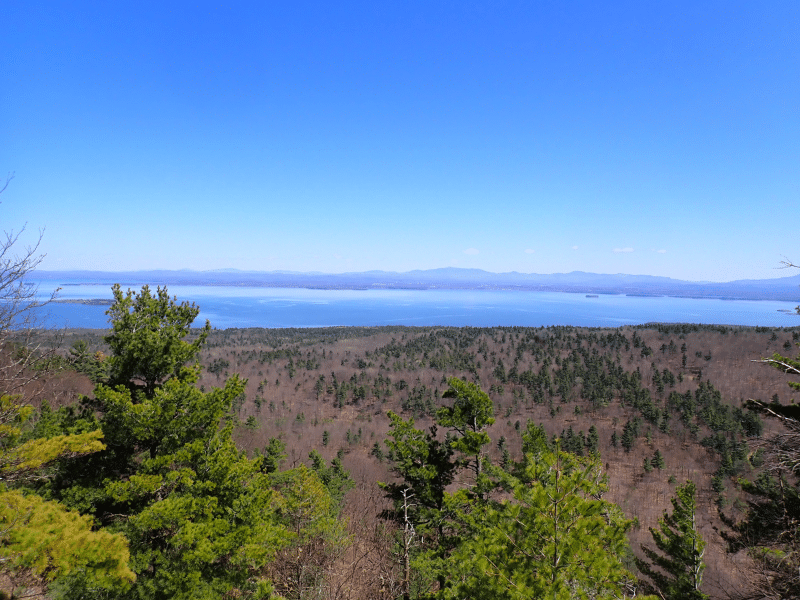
x=337, y=384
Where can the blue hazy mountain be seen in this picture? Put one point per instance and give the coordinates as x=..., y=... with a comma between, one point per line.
x=783, y=288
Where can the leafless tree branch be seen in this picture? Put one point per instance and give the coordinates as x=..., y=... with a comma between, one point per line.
x=19, y=309
x=9, y=177
x=788, y=264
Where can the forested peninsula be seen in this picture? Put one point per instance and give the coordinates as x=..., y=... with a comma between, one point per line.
x=153, y=460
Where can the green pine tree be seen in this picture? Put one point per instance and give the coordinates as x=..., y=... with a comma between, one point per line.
x=147, y=338
x=555, y=538
x=43, y=542
x=675, y=567
x=200, y=516
x=309, y=513
x=424, y=468
x=658, y=460
x=469, y=416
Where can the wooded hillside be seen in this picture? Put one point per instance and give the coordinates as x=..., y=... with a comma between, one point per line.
x=659, y=405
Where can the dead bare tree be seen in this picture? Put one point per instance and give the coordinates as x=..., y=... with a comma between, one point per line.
x=19, y=302
x=408, y=538
x=788, y=264
x=771, y=531
x=367, y=567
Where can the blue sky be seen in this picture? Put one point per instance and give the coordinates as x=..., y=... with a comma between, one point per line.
x=656, y=138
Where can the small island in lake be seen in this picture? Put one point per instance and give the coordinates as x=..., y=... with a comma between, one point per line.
x=87, y=302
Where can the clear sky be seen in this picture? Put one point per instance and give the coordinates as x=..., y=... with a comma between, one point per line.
x=658, y=137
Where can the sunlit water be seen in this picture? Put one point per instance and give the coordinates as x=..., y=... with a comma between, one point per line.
x=293, y=307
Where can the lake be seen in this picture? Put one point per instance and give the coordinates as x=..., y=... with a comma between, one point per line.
x=296, y=307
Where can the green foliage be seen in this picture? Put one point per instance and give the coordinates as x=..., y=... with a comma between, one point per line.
x=593, y=441
x=555, y=539
x=534, y=440
x=471, y=413
x=311, y=516
x=425, y=467
x=675, y=569
x=175, y=415
x=658, y=460
x=22, y=461
x=305, y=506
x=629, y=434
x=333, y=476
x=200, y=516
x=788, y=365
x=274, y=455
x=422, y=463
x=572, y=442
x=43, y=542
x=541, y=543
x=541, y=367
x=218, y=366
x=198, y=512
x=377, y=451
x=22, y=457
x=147, y=337
x=770, y=533
x=92, y=365
x=43, y=539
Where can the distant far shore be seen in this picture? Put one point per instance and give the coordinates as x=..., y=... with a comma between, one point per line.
x=783, y=289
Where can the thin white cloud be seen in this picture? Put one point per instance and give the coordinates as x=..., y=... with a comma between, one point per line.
x=662, y=251
x=574, y=247
x=619, y=250
x=529, y=251
x=471, y=251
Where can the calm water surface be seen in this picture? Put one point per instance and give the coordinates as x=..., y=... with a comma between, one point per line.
x=292, y=307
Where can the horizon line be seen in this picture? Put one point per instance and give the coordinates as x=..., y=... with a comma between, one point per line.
x=231, y=270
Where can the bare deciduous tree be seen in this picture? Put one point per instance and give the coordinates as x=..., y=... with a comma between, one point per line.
x=771, y=531
x=19, y=301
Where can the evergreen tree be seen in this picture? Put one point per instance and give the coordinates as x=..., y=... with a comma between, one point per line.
x=274, y=455
x=555, y=539
x=200, y=515
x=593, y=440
x=42, y=542
x=334, y=476
x=469, y=416
x=534, y=440
x=425, y=468
x=311, y=516
x=629, y=434
x=92, y=366
x=423, y=464
x=675, y=569
x=146, y=339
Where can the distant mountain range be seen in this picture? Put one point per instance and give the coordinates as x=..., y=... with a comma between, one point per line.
x=783, y=288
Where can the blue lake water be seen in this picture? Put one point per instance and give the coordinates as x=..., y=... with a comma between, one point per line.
x=293, y=307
